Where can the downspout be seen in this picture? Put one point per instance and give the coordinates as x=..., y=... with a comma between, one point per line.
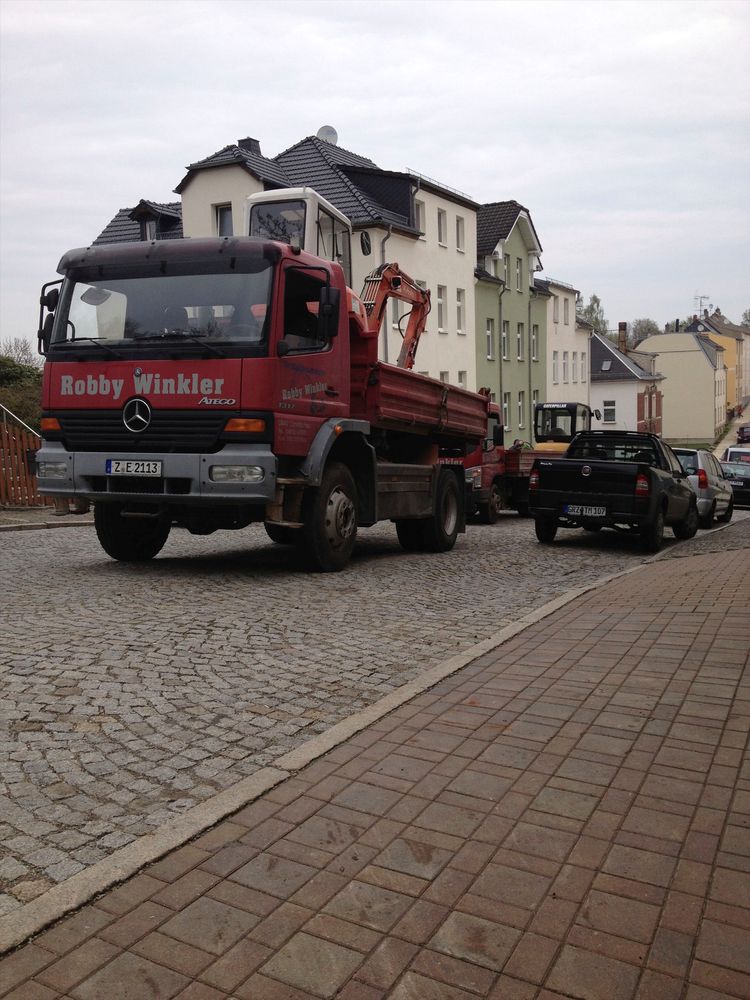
x=502, y=292
x=532, y=294
x=383, y=261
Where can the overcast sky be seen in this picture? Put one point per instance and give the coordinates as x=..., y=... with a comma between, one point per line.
x=623, y=127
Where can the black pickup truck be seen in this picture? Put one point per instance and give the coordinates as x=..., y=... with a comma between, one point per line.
x=613, y=479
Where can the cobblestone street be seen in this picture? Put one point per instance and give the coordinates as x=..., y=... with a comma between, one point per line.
x=132, y=693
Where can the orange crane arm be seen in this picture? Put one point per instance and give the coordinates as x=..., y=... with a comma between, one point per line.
x=389, y=282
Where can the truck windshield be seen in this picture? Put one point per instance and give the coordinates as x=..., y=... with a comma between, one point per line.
x=229, y=308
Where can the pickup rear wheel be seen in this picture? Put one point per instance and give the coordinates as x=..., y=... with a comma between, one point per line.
x=652, y=535
x=546, y=529
x=687, y=528
x=441, y=530
x=330, y=520
x=129, y=539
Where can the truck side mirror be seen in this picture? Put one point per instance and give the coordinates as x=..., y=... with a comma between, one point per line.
x=45, y=334
x=365, y=243
x=598, y=414
x=328, y=312
x=50, y=300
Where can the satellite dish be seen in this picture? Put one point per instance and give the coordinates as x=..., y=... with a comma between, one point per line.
x=328, y=134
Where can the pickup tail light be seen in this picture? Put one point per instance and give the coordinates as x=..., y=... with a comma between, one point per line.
x=702, y=479
x=642, y=485
x=533, y=481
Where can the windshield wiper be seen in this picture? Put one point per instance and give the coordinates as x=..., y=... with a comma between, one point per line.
x=92, y=340
x=181, y=336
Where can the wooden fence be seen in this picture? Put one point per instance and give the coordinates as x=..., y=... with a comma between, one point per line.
x=17, y=482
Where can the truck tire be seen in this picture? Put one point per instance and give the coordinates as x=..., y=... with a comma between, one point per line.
x=652, y=535
x=687, y=528
x=726, y=517
x=489, y=512
x=281, y=534
x=441, y=529
x=546, y=529
x=330, y=520
x=129, y=539
x=708, y=519
x=411, y=534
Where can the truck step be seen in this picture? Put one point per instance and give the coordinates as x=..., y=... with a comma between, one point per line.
x=291, y=481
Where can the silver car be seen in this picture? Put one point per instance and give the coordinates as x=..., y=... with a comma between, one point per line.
x=707, y=480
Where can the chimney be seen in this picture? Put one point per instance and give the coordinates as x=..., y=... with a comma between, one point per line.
x=250, y=145
x=622, y=337
x=705, y=313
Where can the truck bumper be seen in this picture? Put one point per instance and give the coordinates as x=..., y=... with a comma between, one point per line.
x=185, y=478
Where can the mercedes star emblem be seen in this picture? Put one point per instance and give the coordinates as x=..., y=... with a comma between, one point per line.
x=136, y=415
x=586, y=470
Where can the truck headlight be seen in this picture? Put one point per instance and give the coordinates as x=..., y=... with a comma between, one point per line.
x=52, y=470
x=236, y=474
x=474, y=478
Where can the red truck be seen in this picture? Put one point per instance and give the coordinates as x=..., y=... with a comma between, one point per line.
x=498, y=478
x=212, y=383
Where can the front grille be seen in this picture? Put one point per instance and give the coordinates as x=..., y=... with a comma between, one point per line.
x=169, y=431
x=172, y=486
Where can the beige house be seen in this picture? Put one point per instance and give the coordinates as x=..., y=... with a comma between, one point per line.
x=568, y=350
x=735, y=343
x=694, y=388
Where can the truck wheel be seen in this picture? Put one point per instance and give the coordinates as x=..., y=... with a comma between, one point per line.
x=546, y=529
x=726, y=517
x=652, y=534
x=441, y=530
x=411, y=534
x=687, y=528
x=129, y=539
x=490, y=511
x=282, y=535
x=708, y=519
x=330, y=520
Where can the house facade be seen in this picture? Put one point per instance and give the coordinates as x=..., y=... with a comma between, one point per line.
x=625, y=387
x=567, y=345
x=694, y=388
x=515, y=311
x=736, y=344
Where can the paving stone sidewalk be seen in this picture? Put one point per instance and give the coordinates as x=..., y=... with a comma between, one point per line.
x=565, y=817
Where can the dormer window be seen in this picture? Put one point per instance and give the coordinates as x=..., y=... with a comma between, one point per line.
x=149, y=229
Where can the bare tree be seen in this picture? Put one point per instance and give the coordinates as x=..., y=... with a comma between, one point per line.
x=19, y=349
x=745, y=321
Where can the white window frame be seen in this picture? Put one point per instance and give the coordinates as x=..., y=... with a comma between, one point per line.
x=555, y=309
x=444, y=377
x=506, y=269
x=490, y=334
x=442, y=296
x=534, y=341
x=505, y=339
x=565, y=368
x=609, y=411
x=420, y=218
x=442, y=227
x=219, y=213
x=521, y=408
x=462, y=379
x=555, y=367
x=460, y=234
x=460, y=311
x=520, y=332
x=506, y=411
x=574, y=366
x=584, y=371
x=519, y=274
x=566, y=311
